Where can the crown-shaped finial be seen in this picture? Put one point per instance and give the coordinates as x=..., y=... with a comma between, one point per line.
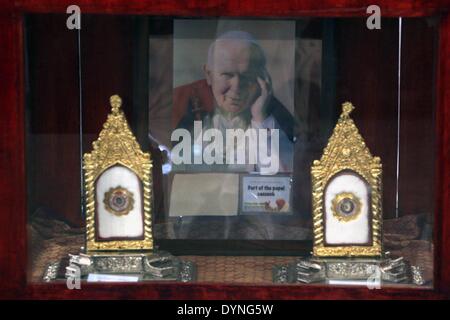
x=116, y=103
x=347, y=108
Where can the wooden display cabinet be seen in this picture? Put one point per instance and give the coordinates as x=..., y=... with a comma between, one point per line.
x=56, y=111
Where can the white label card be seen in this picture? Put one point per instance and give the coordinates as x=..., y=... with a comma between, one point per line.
x=266, y=194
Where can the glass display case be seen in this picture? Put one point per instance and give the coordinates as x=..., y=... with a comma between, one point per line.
x=242, y=138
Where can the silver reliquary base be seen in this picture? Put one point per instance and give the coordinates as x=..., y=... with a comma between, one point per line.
x=149, y=266
x=349, y=271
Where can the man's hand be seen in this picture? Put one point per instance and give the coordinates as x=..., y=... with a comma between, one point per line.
x=259, y=107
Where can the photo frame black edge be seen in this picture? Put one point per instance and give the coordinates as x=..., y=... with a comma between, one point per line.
x=206, y=247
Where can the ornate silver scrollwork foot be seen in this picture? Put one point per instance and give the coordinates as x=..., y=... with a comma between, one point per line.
x=386, y=269
x=151, y=266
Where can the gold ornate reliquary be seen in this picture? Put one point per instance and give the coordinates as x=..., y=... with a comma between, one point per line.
x=117, y=182
x=346, y=194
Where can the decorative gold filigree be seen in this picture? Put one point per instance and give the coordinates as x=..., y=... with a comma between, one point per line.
x=346, y=206
x=346, y=150
x=116, y=145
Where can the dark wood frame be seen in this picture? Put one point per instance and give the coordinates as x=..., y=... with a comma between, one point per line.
x=13, y=215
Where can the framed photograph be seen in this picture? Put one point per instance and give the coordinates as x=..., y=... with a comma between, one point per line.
x=233, y=104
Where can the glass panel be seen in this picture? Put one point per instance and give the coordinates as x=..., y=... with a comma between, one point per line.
x=233, y=112
x=55, y=221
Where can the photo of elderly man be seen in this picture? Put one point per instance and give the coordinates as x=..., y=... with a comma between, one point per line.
x=236, y=93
